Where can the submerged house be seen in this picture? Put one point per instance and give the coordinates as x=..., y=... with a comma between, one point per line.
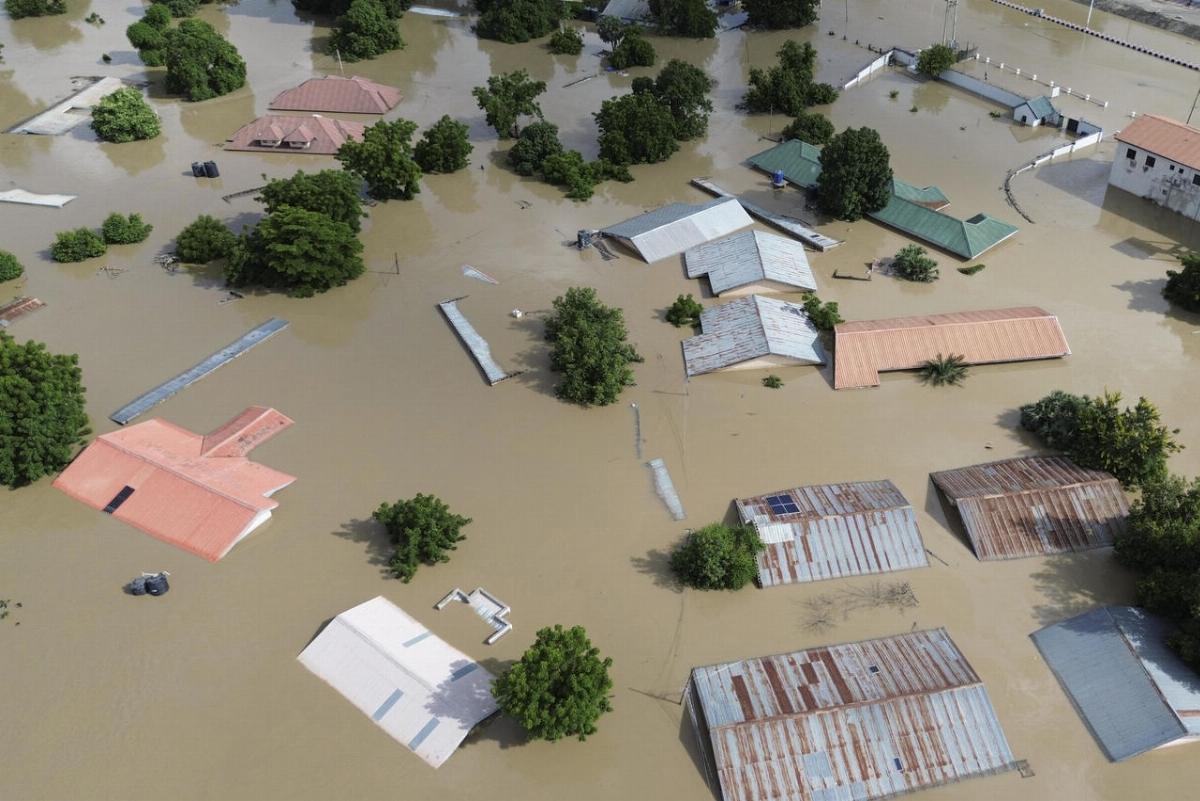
x=313, y=134
x=1133, y=692
x=833, y=530
x=672, y=229
x=750, y=334
x=418, y=688
x=198, y=492
x=627, y=10
x=752, y=262
x=332, y=93
x=1037, y=111
x=860, y=721
x=1034, y=506
x=1159, y=159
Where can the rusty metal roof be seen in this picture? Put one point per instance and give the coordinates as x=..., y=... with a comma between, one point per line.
x=1034, y=506
x=324, y=134
x=752, y=328
x=864, y=720
x=866, y=348
x=1165, y=137
x=833, y=530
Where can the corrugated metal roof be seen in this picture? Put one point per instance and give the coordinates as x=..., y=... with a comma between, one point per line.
x=628, y=10
x=865, y=720
x=929, y=196
x=1042, y=107
x=1034, y=506
x=672, y=229
x=750, y=257
x=324, y=135
x=1165, y=137
x=833, y=530
x=866, y=348
x=333, y=93
x=1133, y=692
x=751, y=328
x=800, y=162
x=422, y=691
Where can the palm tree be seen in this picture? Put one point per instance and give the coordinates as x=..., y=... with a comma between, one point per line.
x=944, y=370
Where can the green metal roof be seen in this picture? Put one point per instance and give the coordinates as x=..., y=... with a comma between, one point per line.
x=800, y=162
x=1042, y=107
x=919, y=194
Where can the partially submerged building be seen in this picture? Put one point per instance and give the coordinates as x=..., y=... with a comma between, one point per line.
x=198, y=492
x=627, y=10
x=866, y=348
x=1133, y=692
x=750, y=334
x=672, y=229
x=335, y=94
x=75, y=110
x=752, y=262
x=418, y=688
x=313, y=134
x=1034, y=506
x=1037, y=111
x=1159, y=159
x=833, y=530
x=860, y=721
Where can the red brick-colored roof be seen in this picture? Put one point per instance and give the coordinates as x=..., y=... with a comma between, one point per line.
x=353, y=95
x=199, y=493
x=323, y=134
x=1165, y=137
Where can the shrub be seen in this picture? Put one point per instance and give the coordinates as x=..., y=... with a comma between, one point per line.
x=333, y=193
x=157, y=16
x=772, y=382
x=144, y=36
x=633, y=51
x=588, y=347
x=384, y=160
x=690, y=18
x=365, y=31
x=684, y=311
x=974, y=268
x=200, y=63
x=935, y=59
x=809, y=127
x=77, y=245
x=717, y=557
x=824, y=316
x=567, y=42
x=856, y=174
x=537, y=142
x=776, y=14
x=444, y=147
x=424, y=531
x=912, y=264
x=10, y=268
x=507, y=98
x=517, y=20
x=121, y=230
x=789, y=87
x=1183, y=286
x=302, y=252
x=205, y=239
x=124, y=116
x=19, y=9
x=945, y=371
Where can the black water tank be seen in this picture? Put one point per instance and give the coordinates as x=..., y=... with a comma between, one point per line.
x=197, y=169
x=210, y=169
x=157, y=584
x=137, y=586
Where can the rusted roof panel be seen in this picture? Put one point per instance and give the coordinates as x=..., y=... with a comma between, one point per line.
x=1034, y=506
x=864, y=720
x=866, y=348
x=833, y=530
x=1165, y=137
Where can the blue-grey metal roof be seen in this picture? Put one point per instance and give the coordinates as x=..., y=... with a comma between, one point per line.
x=1041, y=107
x=1128, y=686
x=628, y=10
x=748, y=258
x=752, y=328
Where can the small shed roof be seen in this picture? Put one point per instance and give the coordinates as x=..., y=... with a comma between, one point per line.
x=750, y=257
x=1035, y=505
x=1041, y=107
x=333, y=93
x=866, y=348
x=324, y=134
x=750, y=328
x=800, y=162
x=1165, y=137
x=672, y=229
x=865, y=720
x=833, y=530
x=422, y=691
x=1133, y=692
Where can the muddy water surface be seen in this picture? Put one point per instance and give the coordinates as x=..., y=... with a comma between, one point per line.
x=198, y=694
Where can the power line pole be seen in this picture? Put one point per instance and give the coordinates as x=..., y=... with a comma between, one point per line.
x=1091, y=6
x=1193, y=111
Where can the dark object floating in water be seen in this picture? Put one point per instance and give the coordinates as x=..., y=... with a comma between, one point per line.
x=197, y=169
x=210, y=169
x=149, y=584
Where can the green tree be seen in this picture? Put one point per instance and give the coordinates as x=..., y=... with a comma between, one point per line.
x=789, y=87
x=912, y=264
x=19, y=9
x=935, y=59
x=776, y=14
x=1183, y=286
x=567, y=42
x=10, y=268
x=636, y=129
x=580, y=177
x=1097, y=433
x=124, y=116
x=856, y=176
x=683, y=89
x=77, y=245
x=203, y=240
x=423, y=529
x=559, y=688
x=365, y=31
x=42, y=417
x=384, y=160
x=179, y=8
x=200, y=63
x=717, y=557
x=588, y=347
x=302, y=252
x=633, y=51
x=336, y=8
x=945, y=371
x=444, y=147
x=121, y=230
x=149, y=35
x=823, y=316
x=538, y=141
x=507, y=98
x=517, y=20
x=811, y=127
x=613, y=29
x=333, y=193
x=684, y=311
x=690, y=18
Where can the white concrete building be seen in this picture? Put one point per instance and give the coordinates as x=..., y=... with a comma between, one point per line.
x=1159, y=159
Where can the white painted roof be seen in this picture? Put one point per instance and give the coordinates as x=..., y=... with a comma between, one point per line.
x=750, y=328
x=672, y=229
x=750, y=257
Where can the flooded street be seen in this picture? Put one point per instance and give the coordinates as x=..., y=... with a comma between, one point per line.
x=198, y=694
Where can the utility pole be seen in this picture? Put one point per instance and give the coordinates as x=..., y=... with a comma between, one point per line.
x=950, y=22
x=1193, y=111
x=1091, y=6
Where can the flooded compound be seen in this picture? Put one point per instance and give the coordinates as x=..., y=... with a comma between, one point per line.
x=198, y=694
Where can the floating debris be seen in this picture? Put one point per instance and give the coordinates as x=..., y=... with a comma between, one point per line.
x=478, y=275
x=34, y=199
x=666, y=488
x=475, y=343
x=18, y=308
x=149, y=584
x=66, y=115
x=637, y=428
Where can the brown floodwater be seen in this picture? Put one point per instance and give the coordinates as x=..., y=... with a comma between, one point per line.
x=198, y=695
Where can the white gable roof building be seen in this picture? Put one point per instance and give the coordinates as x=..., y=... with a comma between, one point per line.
x=751, y=262
x=672, y=229
x=752, y=333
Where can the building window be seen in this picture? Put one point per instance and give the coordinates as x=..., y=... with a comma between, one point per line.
x=1196, y=179
x=1130, y=153
x=782, y=505
x=1170, y=168
x=1150, y=160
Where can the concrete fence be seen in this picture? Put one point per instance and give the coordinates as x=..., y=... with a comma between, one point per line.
x=982, y=88
x=866, y=72
x=1065, y=150
x=1055, y=88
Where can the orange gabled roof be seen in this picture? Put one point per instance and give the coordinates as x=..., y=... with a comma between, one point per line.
x=354, y=95
x=199, y=493
x=1165, y=137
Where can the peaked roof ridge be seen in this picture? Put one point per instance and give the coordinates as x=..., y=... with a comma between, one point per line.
x=381, y=647
x=915, y=319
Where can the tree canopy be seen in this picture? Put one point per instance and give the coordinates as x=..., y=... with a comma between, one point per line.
x=559, y=688
x=302, y=252
x=42, y=416
x=684, y=311
x=124, y=116
x=384, y=160
x=935, y=59
x=10, y=268
x=336, y=8
x=538, y=141
x=566, y=42
x=717, y=557
x=444, y=147
x=633, y=51
x=517, y=20
x=823, y=316
x=19, y=9
x=912, y=263
x=789, y=87
x=77, y=245
x=636, y=129
x=333, y=193
x=1183, y=286
x=856, y=174
x=1132, y=444
x=776, y=14
x=424, y=531
x=203, y=240
x=178, y=8
x=149, y=35
x=200, y=63
x=121, y=230
x=570, y=170
x=588, y=347
x=689, y=18
x=507, y=98
x=612, y=30
x=365, y=31
x=811, y=127
x=683, y=88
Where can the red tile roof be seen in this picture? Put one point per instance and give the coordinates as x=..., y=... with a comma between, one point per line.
x=324, y=135
x=1165, y=137
x=199, y=493
x=332, y=93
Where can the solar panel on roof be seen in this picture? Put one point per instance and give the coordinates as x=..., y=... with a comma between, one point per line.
x=118, y=499
x=782, y=505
